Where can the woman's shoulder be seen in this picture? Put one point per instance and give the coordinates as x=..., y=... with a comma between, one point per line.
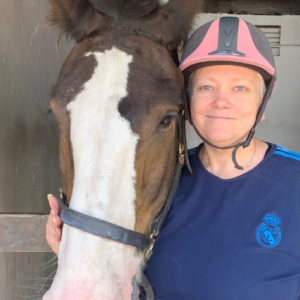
x=286, y=157
x=282, y=160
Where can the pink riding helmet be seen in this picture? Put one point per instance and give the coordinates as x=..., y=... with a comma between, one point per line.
x=230, y=41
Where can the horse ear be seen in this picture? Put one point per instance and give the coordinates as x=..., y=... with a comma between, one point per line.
x=76, y=18
x=172, y=22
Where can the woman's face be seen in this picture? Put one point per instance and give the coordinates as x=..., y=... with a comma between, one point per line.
x=224, y=102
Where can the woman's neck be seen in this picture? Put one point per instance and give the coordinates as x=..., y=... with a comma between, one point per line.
x=219, y=161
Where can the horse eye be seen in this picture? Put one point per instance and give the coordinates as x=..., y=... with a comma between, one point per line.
x=166, y=121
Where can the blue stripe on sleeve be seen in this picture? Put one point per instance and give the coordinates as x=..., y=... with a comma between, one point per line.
x=287, y=151
x=287, y=155
x=192, y=151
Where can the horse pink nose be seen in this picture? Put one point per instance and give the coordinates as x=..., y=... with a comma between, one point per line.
x=77, y=293
x=77, y=296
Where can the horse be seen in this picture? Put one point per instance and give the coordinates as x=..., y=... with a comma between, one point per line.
x=117, y=103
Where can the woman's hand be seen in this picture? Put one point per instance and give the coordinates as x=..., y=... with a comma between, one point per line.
x=53, y=226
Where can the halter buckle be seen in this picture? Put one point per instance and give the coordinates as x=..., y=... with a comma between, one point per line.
x=181, y=157
x=148, y=253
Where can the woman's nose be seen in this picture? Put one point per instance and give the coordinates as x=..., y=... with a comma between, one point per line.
x=221, y=100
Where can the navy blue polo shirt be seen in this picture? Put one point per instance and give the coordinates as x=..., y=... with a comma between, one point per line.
x=234, y=239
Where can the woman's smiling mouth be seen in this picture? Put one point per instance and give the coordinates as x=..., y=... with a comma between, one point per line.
x=220, y=118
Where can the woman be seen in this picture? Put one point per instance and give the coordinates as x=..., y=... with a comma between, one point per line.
x=233, y=230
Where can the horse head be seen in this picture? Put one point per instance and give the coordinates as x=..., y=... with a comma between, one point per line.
x=117, y=102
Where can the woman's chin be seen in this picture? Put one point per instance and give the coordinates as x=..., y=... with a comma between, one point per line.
x=222, y=140
x=223, y=136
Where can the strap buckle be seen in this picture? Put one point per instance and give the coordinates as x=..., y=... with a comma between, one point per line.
x=181, y=157
x=148, y=253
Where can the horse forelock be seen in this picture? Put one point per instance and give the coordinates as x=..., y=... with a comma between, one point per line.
x=121, y=10
x=169, y=20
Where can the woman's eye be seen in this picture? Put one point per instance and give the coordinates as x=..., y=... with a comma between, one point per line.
x=240, y=88
x=207, y=88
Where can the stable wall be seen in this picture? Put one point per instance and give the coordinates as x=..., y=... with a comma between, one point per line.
x=29, y=66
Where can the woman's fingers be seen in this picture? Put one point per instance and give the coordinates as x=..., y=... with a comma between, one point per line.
x=51, y=237
x=56, y=221
x=57, y=232
x=53, y=226
x=53, y=202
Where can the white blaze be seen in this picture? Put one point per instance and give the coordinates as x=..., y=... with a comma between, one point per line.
x=104, y=152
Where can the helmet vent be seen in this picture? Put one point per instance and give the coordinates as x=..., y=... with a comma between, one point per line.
x=227, y=42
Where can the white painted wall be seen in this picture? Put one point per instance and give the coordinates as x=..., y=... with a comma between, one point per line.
x=282, y=124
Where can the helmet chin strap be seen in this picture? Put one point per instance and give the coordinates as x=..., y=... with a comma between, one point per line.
x=236, y=147
x=250, y=136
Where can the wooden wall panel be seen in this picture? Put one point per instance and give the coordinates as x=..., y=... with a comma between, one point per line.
x=23, y=233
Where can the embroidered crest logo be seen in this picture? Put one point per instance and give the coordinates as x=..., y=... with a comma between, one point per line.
x=268, y=234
